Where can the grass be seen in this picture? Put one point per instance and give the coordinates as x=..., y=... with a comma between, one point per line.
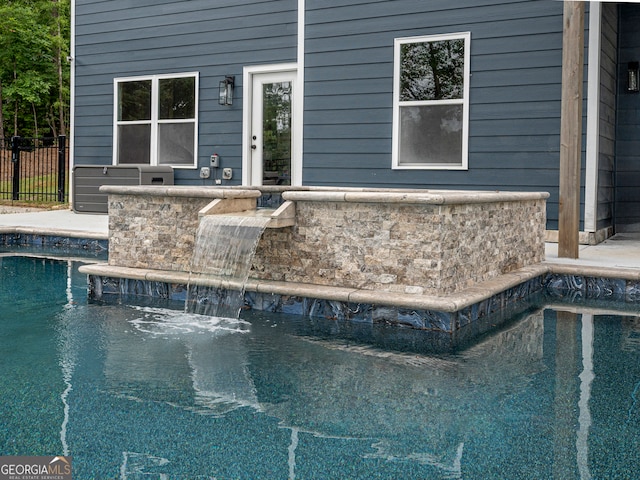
x=41, y=191
x=48, y=205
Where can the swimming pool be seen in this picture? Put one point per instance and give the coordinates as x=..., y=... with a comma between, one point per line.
x=147, y=391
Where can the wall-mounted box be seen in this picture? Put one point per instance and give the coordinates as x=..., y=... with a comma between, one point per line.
x=87, y=180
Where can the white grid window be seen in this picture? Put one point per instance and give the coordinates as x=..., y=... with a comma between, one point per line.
x=431, y=102
x=156, y=120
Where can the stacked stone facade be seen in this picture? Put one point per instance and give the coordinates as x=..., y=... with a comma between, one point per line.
x=421, y=249
x=396, y=244
x=155, y=232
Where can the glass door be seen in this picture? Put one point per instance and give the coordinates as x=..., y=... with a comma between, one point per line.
x=272, y=128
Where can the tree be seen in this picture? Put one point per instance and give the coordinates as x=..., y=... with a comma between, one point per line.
x=432, y=70
x=60, y=13
x=34, y=73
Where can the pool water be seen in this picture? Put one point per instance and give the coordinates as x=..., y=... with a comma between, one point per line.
x=148, y=391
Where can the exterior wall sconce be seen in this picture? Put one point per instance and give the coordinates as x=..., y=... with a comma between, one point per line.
x=225, y=93
x=633, y=77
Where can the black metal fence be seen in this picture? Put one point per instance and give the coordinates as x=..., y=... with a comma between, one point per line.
x=34, y=169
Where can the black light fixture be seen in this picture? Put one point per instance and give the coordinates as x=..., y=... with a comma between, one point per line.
x=633, y=77
x=225, y=93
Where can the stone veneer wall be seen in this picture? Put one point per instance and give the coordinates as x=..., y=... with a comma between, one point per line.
x=415, y=248
x=150, y=231
x=421, y=244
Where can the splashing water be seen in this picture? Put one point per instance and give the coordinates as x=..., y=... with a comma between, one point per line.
x=165, y=322
x=222, y=258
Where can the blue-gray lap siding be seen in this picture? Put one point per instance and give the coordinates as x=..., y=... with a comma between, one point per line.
x=515, y=94
x=516, y=66
x=627, y=207
x=123, y=38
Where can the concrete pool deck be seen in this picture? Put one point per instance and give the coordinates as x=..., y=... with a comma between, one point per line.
x=54, y=223
x=616, y=258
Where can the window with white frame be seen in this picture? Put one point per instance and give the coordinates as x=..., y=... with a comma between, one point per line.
x=431, y=97
x=156, y=120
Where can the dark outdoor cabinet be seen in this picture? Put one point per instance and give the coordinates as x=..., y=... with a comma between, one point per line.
x=87, y=180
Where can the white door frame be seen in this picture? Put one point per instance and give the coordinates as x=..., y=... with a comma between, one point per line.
x=247, y=116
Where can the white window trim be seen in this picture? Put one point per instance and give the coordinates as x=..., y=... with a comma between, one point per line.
x=155, y=121
x=464, y=161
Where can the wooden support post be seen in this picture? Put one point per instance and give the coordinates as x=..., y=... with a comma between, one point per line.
x=571, y=129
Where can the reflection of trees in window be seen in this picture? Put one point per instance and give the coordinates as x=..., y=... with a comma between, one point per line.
x=135, y=101
x=177, y=98
x=277, y=127
x=432, y=70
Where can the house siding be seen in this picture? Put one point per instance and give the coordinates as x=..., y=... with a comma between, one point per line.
x=628, y=128
x=122, y=38
x=515, y=93
x=515, y=84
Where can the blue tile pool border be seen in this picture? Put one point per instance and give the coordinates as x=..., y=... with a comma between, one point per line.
x=587, y=287
x=54, y=241
x=379, y=325
x=103, y=286
x=553, y=286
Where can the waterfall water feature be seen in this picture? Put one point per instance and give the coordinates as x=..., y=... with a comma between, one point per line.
x=222, y=257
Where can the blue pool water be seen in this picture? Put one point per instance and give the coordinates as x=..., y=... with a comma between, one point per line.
x=149, y=392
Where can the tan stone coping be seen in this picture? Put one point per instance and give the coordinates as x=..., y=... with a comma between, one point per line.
x=180, y=191
x=444, y=303
x=332, y=194
x=54, y=232
x=429, y=197
x=621, y=273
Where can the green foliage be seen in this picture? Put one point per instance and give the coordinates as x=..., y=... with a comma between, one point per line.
x=34, y=70
x=277, y=128
x=432, y=70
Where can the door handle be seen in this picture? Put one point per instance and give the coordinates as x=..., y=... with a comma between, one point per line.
x=253, y=147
